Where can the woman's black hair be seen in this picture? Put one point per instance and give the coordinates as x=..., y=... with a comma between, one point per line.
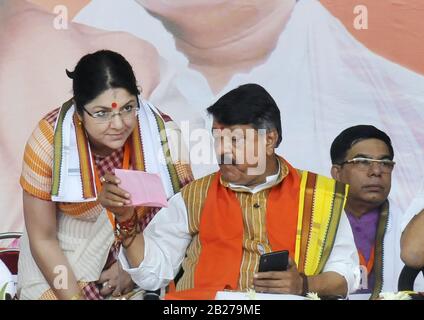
x=99, y=71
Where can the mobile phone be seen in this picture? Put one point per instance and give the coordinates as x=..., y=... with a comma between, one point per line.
x=274, y=261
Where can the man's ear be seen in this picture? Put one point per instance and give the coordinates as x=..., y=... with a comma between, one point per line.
x=271, y=141
x=336, y=171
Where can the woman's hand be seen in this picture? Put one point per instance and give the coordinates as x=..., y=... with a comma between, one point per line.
x=115, y=281
x=115, y=199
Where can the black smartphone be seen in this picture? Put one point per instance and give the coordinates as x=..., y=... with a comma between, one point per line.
x=274, y=261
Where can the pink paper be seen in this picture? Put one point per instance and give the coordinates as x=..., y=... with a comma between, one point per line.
x=146, y=189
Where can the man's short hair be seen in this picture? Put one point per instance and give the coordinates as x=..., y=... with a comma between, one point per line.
x=248, y=104
x=350, y=136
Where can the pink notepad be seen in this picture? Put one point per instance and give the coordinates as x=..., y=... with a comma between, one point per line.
x=146, y=189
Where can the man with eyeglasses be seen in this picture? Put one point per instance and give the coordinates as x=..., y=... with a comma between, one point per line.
x=362, y=156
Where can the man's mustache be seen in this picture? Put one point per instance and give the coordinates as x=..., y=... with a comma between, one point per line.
x=226, y=159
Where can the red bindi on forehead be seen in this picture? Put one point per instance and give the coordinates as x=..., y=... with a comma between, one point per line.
x=114, y=105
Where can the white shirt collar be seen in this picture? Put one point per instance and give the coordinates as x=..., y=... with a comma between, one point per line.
x=269, y=181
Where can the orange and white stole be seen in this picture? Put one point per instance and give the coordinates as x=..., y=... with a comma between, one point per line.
x=73, y=171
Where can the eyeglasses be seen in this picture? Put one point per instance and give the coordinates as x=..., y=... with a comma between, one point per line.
x=364, y=164
x=104, y=116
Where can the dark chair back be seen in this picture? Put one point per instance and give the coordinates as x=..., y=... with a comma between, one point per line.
x=407, y=278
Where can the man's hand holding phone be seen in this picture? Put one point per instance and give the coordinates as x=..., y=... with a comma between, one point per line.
x=275, y=277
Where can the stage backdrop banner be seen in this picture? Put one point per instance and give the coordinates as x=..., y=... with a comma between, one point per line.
x=329, y=65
